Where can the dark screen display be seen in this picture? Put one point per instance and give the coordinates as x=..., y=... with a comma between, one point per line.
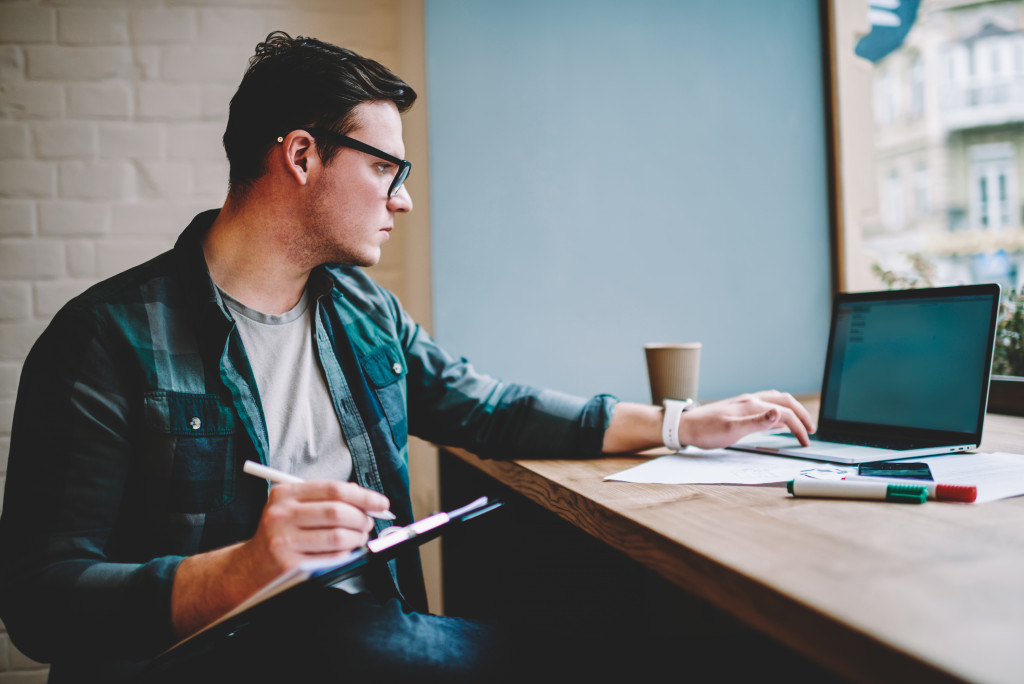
x=919, y=363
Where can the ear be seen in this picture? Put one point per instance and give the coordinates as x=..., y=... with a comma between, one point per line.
x=298, y=150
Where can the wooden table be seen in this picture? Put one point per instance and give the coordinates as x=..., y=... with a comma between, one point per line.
x=871, y=591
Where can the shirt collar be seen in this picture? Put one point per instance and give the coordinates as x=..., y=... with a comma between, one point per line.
x=204, y=291
x=192, y=262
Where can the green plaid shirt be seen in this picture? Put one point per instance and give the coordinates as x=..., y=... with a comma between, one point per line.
x=137, y=407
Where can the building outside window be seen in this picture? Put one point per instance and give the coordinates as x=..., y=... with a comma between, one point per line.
x=947, y=167
x=885, y=98
x=993, y=186
x=921, y=191
x=893, y=214
x=929, y=131
x=917, y=85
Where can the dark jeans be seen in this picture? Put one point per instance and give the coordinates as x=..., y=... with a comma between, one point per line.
x=329, y=635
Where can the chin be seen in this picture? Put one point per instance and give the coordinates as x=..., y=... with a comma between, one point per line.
x=367, y=260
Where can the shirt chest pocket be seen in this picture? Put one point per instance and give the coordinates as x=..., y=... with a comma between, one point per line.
x=385, y=370
x=190, y=451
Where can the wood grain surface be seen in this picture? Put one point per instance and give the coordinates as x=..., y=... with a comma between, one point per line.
x=873, y=591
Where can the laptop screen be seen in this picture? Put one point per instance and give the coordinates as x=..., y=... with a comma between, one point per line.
x=917, y=359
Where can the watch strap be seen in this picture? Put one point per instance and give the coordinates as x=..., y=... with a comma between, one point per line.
x=670, y=423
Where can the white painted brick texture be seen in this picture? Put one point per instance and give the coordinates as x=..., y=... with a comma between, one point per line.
x=27, y=178
x=17, y=218
x=15, y=301
x=169, y=25
x=111, y=116
x=31, y=100
x=64, y=139
x=14, y=140
x=92, y=26
x=99, y=100
x=27, y=23
x=77, y=63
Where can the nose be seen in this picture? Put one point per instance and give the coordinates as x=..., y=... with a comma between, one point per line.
x=401, y=202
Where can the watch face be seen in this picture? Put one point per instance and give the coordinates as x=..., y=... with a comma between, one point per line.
x=686, y=403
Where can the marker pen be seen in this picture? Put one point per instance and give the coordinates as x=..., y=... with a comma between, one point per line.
x=850, y=489
x=936, y=491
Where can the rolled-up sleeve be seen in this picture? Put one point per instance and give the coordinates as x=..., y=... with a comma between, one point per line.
x=451, y=403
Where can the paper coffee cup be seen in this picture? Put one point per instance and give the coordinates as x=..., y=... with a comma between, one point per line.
x=674, y=369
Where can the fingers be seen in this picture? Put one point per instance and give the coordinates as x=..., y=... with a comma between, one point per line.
x=777, y=416
x=318, y=517
x=788, y=418
x=326, y=540
x=333, y=490
x=788, y=401
x=722, y=423
x=320, y=514
x=800, y=411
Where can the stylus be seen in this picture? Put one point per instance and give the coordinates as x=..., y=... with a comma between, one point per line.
x=279, y=476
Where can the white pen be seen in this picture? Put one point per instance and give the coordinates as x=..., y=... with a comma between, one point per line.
x=279, y=476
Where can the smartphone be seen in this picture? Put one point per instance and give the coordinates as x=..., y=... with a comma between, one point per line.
x=913, y=471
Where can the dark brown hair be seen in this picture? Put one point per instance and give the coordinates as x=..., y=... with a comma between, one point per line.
x=294, y=83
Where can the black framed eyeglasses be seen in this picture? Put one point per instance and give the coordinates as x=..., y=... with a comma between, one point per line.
x=403, y=166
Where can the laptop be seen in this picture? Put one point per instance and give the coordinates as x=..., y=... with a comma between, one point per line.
x=906, y=375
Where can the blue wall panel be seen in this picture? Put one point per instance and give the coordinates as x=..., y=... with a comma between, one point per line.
x=609, y=173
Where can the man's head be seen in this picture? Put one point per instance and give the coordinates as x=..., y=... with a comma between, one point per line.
x=301, y=83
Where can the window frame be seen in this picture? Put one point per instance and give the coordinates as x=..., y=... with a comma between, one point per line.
x=854, y=191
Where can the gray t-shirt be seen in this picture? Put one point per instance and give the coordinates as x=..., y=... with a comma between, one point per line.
x=304, y=432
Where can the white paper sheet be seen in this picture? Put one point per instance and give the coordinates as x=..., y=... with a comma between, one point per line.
x=997, y=475
x=724, y=466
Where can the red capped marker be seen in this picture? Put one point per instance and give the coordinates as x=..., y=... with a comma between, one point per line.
x=936, y=491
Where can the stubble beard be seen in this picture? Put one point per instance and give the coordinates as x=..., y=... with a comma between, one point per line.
x=318, y=241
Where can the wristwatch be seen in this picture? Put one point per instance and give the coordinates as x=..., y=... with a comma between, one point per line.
x=670, y=423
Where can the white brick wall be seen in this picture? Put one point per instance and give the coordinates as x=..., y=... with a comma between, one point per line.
x=111, y=115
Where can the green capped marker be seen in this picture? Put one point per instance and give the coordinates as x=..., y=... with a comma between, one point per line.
x=857, y=489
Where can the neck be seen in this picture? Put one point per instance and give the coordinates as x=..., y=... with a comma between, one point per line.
x=247, y=259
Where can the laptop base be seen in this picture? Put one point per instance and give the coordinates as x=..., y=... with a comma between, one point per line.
x=785, y=444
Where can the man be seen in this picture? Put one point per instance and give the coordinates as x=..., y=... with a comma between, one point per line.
x=128, y=523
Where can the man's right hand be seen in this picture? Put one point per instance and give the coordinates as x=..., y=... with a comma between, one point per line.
x=300, y=521
x=311, y=519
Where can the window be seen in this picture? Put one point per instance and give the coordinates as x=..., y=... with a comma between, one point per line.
x=957, y=67
x=916, y=88
x=893, y=215
x=885, y=98
x=921, y=192
x=992, y=186
x=947, y=89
